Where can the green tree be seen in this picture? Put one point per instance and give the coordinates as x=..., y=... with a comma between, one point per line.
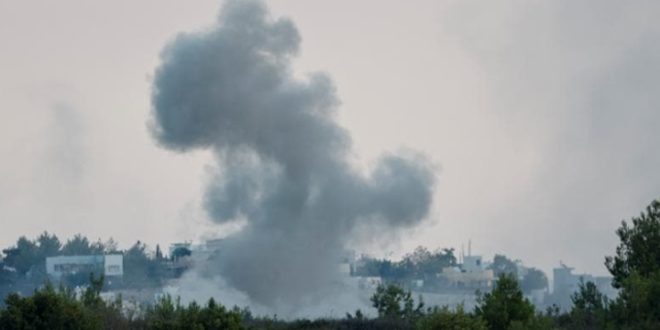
x=639, y=250
x=97, y=247
x=445, y=318
x=110, y=247
x=420, y=264
x=394, y=302
x=638, y=303
x=23, y=256
x=169, y=314
x=48, y=245
x=535, y=279
x=139, y=269
x=504, y=304
x=107, y=314
x=78, y=245
x=636, y=271
x=423, y=263
x=45, y=309
x=503, y=265
x=589, y=308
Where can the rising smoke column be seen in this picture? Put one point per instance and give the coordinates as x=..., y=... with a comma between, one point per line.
x=282, y=158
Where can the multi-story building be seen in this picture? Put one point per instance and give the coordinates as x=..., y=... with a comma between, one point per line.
x=111, y=265
x=565, y=284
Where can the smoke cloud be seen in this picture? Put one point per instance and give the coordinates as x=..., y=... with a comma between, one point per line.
x=282, y=160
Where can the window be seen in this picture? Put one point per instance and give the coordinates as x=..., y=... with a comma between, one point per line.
x=113, y=269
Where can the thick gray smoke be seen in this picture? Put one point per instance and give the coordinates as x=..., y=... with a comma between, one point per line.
x=282, y=158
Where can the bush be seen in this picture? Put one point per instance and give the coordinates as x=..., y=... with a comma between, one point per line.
x=393, y=302
x=46, y=309
x=170, y=314
x=444, y=318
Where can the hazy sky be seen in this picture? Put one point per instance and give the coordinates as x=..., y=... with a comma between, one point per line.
x=542, y=117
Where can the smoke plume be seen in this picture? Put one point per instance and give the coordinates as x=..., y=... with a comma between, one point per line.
x=282, y=160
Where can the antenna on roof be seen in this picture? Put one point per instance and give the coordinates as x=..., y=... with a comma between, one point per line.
x=469, y=247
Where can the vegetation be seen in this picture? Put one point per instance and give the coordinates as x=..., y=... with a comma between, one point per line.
x=636, y=271
x=61, y=309
x=392, y=302
x=23, y=268
x=420, y=264
x=589, y=308
x=444, y=318
x=535, y=279
x=635, y=267
x=505, y=304
x=503, y=266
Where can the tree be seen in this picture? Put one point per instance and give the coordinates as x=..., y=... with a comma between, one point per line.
x=48, y=245
x=444, y=318
x=7, y=280
x=78, y=245
x=393, y=302
x=535, y=279
x=418, y=260
x=159, y=253
x=45, y=309
x=97, y=247
x=139, y=269
x=638, y=303
x=505, y=304
x=110, y=247
x=23, y=256
x=503, y=265
x=589, y=307
x=636, y=271
x=170, y=314
x=639, y=250
x=423, y=263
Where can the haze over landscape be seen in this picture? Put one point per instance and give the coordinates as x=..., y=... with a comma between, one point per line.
x=537, y=122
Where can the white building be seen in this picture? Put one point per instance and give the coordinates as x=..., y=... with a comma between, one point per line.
x=454, y=277
x=565, y=283
x=472, y=264
x=110, y=265
x=470, y=275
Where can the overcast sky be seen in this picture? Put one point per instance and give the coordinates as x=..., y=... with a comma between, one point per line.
x=542, y=117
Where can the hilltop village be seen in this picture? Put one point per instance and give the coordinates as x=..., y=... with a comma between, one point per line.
x=142, y=275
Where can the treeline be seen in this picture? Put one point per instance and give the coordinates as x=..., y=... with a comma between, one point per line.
x=63, y=309
x=635, y=268
x=503, y=308
x=425, y=265
x=23, y=266
x=420, y=264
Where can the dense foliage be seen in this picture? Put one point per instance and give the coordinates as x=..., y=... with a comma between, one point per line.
x=505, y=304
x=393, y=302
x=420, y=264
x=639, y=250
x=636, y=271
x=61, y=309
